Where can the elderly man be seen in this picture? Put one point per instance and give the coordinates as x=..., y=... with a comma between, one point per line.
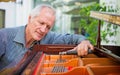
x=14, y=42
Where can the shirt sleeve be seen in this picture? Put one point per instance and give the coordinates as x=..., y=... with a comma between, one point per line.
x=57, y=38
x=2, y=43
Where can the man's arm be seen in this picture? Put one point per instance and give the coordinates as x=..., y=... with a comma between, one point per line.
x=71, y=39
x=82, y=43
x=57, y=38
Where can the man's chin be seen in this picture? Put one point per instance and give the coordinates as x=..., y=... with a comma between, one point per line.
x=38, y=38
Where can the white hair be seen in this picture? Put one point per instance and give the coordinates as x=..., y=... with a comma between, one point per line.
x=36, y=10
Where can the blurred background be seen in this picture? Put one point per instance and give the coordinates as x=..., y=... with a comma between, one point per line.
x=72, y=17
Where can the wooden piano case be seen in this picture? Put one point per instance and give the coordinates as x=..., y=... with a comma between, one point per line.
x=54, y=64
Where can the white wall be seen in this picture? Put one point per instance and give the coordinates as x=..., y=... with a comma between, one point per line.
x=22, y=12
x=9, y=8
x=63, y=21
x=16, y=13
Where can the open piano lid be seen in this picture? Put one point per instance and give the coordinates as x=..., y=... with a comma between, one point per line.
x=107, y=50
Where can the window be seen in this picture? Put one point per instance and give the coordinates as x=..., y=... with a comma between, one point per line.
x=2, y=18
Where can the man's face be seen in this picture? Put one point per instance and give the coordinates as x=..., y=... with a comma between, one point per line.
x=41, y=24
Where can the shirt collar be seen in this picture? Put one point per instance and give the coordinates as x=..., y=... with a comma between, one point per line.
x=20, y=36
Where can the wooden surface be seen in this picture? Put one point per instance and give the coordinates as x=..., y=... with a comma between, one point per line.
x=92, y=64
x=106, y=16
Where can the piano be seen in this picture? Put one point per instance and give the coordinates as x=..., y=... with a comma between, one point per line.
x=105, y=60
x=51, y=63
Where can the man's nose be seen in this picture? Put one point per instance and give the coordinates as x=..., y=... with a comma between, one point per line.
x=43, y=28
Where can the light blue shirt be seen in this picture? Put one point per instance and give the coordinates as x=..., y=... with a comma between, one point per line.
x=12, y=43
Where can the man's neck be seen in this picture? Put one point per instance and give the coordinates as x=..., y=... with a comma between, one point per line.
x=28, y=39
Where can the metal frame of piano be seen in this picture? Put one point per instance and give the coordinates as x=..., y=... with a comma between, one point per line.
x=105, y=60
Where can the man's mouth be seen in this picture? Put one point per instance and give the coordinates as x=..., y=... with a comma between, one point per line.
x=39, y=34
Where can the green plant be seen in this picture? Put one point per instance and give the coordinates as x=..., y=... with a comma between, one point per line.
x=90, y=25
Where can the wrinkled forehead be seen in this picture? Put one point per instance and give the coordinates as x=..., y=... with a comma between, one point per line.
x=42, y=8
x=47, y=15
x=47, y=10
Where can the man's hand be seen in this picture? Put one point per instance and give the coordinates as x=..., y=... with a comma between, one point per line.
x=82, y=48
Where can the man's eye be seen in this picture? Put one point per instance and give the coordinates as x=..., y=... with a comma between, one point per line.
x=41, y=23
x=48, y=27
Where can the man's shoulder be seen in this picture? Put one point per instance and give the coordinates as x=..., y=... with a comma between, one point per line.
x=11, y=29
x=51, y=33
